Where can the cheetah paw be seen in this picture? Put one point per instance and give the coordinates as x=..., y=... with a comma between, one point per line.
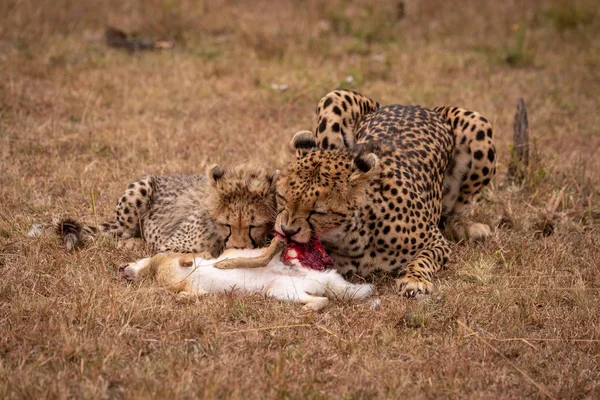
x=413, y=287
x=131, y=244
x=477, y=231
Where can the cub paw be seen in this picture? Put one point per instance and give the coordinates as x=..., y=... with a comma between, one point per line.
x=412, y=287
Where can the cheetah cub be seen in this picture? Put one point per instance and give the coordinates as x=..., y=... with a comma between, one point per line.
x=231, y=207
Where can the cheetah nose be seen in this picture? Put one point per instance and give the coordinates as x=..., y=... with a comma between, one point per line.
x=289, y=232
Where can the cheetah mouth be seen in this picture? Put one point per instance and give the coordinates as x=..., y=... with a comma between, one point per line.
x=311, y=255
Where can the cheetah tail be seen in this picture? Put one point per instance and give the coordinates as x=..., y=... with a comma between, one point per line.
x=74, y=234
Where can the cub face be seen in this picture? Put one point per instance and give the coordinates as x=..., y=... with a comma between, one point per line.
x=242, y=204
x=318, y=192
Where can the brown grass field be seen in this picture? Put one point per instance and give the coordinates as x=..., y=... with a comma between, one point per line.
x=515, y=317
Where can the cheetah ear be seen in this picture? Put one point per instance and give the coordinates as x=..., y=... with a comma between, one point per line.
x=365, y=166
x=303, y=142
x=215, y=174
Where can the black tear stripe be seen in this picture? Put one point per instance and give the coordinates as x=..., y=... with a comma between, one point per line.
x=251, y=238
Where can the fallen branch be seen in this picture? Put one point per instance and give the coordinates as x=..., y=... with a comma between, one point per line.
x=117, y=38
x=520, y=150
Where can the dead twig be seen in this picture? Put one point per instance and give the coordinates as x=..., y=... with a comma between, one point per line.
x=566, y=340
x=329, y=332
x=539, y=386
x=268, y=328
x=293, y=326
x=550, y=288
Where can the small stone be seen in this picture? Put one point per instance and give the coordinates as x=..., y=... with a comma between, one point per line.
x=375, y=304
x=35, y=230
x=281, y=88
x=419, y=296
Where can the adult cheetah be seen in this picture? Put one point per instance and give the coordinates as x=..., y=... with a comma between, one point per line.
x=370, y=183
x=471, y=167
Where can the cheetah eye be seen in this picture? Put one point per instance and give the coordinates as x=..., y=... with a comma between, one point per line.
x=281, y=199
x=315, y=212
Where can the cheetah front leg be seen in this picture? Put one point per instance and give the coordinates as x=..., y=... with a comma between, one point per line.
x=416, y=278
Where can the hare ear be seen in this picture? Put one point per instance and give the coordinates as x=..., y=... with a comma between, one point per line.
x=214, y=173
x=365, y=166
x=303, y=142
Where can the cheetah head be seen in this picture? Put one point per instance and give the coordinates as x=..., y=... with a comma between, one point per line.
x=242, y=204
x=318, y=192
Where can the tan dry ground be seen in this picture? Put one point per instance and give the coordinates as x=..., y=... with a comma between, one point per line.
x=515, y=317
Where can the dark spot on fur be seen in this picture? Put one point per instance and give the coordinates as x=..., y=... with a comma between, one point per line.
x=323, y=125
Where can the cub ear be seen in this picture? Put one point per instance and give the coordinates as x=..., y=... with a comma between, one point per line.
x=365, y=166
x=272, y=179
x=303, y=142
x=214, y=173
x=264, y=185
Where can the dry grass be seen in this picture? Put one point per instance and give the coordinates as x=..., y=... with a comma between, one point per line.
x=515, y=317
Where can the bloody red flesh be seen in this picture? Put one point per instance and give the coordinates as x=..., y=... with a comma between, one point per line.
x=311, y=255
